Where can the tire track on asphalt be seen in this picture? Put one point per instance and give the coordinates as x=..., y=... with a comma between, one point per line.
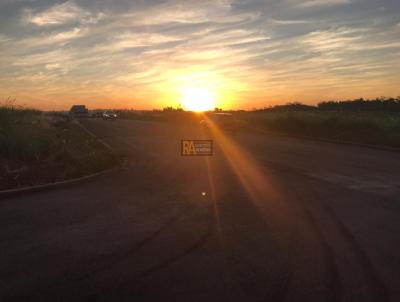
x=276, y=292
x=331, y=273
x=71, y=281
x=249, y=278
x=135, y=247
x=128, y=286
x=375, y=285
x=87, y=278
x=291, y=234
x=287, y=276
x=194, y=246
x=255, y=283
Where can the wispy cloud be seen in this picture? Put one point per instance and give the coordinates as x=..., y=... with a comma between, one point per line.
x=317, y=3
x=60, y=38
x=60, y=14
x=4, y=39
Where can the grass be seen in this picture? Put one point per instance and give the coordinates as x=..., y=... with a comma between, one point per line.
x=39, y=148
x=376, y=128
x=21, y=134
x=79, y=153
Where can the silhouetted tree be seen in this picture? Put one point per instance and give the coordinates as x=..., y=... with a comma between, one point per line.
x=378, y=104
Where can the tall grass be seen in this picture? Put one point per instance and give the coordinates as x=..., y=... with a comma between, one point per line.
x=362, y=127
x=21, y=134
x=80, y=153
x=38, y=141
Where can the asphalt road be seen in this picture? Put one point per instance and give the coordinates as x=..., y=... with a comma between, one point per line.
x=264, y=219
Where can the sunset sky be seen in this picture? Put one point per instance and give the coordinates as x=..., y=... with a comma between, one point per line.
x=148, y=54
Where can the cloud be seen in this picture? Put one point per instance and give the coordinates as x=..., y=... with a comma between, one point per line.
x=60, y=14
x=4, y=39
x=336, y=39
x=57, y=38
x=289, y=22
x=135, y=40
x=318, y=3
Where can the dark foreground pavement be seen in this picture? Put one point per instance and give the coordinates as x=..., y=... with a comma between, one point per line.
x=281, y=220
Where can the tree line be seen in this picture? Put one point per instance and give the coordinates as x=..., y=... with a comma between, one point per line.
x=387, y=104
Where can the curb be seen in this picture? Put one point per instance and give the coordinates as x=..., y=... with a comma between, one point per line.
x=330, y=141
x=56, y=185
x=64, y=183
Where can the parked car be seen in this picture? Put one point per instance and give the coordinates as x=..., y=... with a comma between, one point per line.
x=78, y=111
x=223, y=121
x=109, y=115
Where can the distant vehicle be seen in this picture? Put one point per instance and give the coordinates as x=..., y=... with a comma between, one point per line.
x=97, y=114
x=109, y=115
x=223, y=121
x=79, y=111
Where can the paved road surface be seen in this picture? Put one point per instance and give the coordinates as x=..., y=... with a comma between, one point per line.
x=282, y=219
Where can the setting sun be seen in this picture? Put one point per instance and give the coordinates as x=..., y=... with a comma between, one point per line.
x=197, y=99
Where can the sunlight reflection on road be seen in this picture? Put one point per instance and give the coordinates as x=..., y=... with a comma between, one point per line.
x=259, y=185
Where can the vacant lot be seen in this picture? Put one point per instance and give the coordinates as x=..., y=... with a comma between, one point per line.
x=37, y=148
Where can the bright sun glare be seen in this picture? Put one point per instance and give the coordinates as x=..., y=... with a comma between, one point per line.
x=197, y=99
